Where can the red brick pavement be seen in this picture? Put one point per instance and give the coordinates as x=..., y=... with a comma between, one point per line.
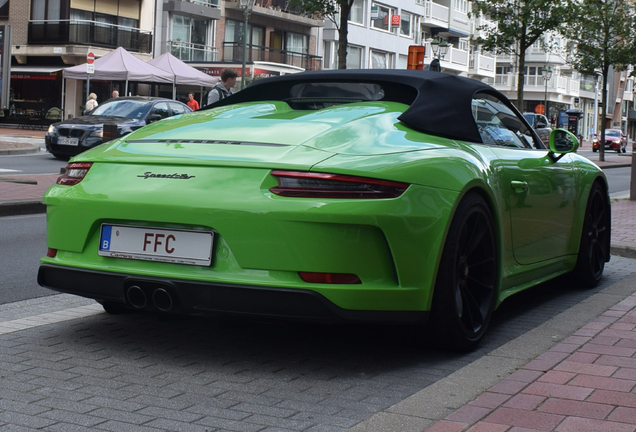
x=587, y=383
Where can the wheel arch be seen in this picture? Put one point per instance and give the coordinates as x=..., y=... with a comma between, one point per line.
x=482, y=190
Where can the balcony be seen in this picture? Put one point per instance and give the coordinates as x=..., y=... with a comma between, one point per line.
x=482, y=65
x=191, y=52
x=436, y=14
x=279, y=10
x=81, y=32
x=233, y=52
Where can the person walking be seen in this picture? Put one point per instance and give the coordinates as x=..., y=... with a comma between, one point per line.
x=223, y=88
x=192, y=102
x=91, y=103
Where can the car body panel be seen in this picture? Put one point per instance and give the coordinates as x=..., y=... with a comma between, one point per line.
x=213, y=171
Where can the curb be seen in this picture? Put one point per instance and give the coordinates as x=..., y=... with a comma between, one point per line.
x=30, y=148
x=22, y=207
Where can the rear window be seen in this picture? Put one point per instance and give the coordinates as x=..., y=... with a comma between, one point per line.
x=324, y=94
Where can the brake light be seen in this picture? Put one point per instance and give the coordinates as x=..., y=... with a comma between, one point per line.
x=323, y=185
x=330, y=278
x=75, y=173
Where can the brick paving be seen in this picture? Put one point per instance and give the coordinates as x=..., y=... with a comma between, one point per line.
x=585, y=383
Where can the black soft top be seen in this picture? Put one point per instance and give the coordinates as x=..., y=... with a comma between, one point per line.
x=439, y=104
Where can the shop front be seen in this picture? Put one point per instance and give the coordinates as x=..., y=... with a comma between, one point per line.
x=35, y=96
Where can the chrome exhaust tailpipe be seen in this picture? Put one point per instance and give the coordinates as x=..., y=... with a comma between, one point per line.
x=136, y=297
x=162, y=299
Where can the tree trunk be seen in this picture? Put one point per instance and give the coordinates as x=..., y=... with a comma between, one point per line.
x=522, y=69
x=343, y=34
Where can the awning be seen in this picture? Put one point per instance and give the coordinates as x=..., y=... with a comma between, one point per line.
x=24, y=69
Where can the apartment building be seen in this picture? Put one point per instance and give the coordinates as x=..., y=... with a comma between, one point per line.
x=48, y=35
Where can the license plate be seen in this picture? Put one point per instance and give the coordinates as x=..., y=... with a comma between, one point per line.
x=156, y=244
x=68, y=141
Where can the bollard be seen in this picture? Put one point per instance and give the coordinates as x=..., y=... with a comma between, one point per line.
x=110, y=132
x=632, y=181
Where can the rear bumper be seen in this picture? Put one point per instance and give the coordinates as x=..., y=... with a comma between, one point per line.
x=201, y=298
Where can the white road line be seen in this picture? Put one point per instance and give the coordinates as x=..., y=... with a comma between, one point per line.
x=49, y=318
x=9, y=170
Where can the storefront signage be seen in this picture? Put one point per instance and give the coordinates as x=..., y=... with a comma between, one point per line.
x=33, y=77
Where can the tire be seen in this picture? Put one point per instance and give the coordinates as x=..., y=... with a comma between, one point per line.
x=594, y=150
x=465, y=289
x=594, y=248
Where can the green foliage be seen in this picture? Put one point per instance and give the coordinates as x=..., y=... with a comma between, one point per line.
x=318, y=8
x=337, y=11
x=519, y=24
x=605, y=38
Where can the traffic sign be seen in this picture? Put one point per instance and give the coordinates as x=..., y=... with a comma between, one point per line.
x=90, y=58
x=90, y=68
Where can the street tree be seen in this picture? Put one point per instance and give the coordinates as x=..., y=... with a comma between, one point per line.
x=336, y=11
x=518, y=25
x=603, y=40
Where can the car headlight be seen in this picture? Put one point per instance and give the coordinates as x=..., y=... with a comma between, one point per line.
x=98, y=133
x=52, y=129
x=617, y=141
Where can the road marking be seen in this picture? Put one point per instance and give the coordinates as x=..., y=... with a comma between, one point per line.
x=49, y=318
x=9, y=170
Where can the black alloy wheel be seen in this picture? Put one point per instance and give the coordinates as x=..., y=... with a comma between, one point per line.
x=465, y=289
x=594, y=247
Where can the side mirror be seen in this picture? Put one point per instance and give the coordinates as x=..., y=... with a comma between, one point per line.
x=562, y=142
x=154, y=118
x=541, y=125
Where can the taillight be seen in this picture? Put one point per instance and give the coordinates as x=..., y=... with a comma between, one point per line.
x=51, y=253
x=330, y=278
x=323, y=185
x=75, y=173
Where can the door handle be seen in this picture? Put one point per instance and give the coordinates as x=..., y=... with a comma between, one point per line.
x=519, y=185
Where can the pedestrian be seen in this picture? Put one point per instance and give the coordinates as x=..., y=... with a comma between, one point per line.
x=91, y=103
x=115, y=94
x=223, y=88
x=192, y=102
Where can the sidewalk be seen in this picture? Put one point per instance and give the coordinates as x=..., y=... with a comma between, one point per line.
x=587, y=382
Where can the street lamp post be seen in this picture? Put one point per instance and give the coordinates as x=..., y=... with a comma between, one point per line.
x=440, y=48
x=247, y=6
x=547, y=74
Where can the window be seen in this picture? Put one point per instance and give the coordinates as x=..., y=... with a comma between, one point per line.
x=4, y=9
x=357, y=12
x=379, y=60
x=160, y=108
x=177, y=109
x=354, y=57
x=499, y=125
x=296, y=43
x=189, y=38
x=381, y=16
x=406, y=24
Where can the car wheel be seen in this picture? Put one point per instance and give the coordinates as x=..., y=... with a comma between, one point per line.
x=594, y=247
x=465, y=289
x=594, y=150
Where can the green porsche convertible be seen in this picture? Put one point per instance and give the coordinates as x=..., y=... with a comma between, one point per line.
x=357, y=195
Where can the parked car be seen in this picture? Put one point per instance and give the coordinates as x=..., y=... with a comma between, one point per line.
x=540, y=124
x=71, y=137
x=345, y=195
x=615, y=139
